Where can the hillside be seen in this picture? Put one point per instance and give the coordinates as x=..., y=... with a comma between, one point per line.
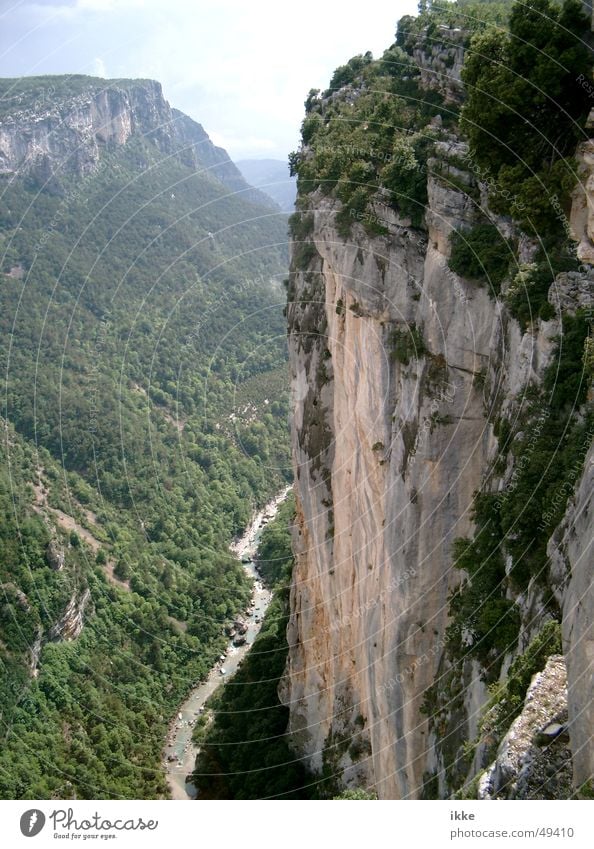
x=145, y=409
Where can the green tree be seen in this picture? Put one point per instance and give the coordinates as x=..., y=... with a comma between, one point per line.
x=525, y=111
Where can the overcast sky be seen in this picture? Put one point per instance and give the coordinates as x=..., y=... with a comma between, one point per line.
x=242, y=69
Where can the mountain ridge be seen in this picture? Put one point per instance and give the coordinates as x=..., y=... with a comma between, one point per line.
x=44, y=118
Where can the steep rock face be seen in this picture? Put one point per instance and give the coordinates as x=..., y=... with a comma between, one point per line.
x=440, y=59
x=70, y=623
x=399, y=368
x=570, y=552
x=68, y=134
x=390, y=484
x=54, y=555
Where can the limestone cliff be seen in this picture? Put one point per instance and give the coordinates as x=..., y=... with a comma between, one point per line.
x=404, y=375
x=60, y=133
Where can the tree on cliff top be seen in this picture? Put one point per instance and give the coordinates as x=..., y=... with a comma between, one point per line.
x=525, y=108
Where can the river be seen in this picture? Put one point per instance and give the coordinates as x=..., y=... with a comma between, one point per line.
x=179, y=754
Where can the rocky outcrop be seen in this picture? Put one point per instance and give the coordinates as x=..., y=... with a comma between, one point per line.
x=582, y=208
x=10, y=590
x=54, y=555
x=440, y=58
x=69, y=133
x=70, y=623
x=35, y=652
x=534, y=759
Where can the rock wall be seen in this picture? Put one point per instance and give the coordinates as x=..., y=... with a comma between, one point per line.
x=398, y=369
x=582, y=209
x=70, y=624
x=440, y=59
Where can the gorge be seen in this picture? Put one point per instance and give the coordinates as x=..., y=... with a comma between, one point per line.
x=420, y=377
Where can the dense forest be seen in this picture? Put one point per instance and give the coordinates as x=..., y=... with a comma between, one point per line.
x=145, y=416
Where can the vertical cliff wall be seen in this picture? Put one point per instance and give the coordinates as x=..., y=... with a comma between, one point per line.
x=402, y=372
x=384, y=485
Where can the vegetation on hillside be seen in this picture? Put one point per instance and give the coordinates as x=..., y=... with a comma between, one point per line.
x=369, y=132
x=481, y=254
x=548, y=438
x=138, y=305
x=524, y=111
x=368, y=136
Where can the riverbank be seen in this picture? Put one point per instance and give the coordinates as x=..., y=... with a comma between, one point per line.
x=179, y=754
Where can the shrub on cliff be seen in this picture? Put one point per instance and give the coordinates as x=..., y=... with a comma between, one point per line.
x=525, y=109
x=481, y=254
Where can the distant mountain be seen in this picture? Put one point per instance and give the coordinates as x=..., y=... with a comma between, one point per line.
x=52, y=127
x=272, y=177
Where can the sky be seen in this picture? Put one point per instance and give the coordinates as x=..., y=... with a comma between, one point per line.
x=242, y=69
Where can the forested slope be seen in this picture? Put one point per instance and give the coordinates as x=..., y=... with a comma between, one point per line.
x=145, y=414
